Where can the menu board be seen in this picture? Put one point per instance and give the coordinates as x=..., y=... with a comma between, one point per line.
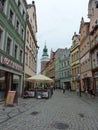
x=10, y=98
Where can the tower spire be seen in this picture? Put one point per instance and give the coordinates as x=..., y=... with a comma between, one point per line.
x=45, y=58
x=45, y=51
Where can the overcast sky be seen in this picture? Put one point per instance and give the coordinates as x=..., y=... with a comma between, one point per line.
x=57, y=20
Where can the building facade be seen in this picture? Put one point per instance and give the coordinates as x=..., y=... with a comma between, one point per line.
x=12, y=45
x=50, y=66
x=57, y=67
x=93, y=16
x=64, y=60
x=85, y=58
x=75, y=60
x=31, y=48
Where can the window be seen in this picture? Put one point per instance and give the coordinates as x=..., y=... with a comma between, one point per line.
x=1, y=36
x=28, y=36
x=2, y=2
x=8, y=47
x=16, y=51
x=17, y=26
x=30, y=42
x=97, y=57
x=26, y=61
x=11, y=16
x=21, y=54
x=19, y=4
x=22, y=32
x=97, y=4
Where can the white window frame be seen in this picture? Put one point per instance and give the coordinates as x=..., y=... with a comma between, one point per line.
x=23, y=32
x=13, y=15
x=8, y=36
x=21, y=61
x=17, y=50
x=18, y=30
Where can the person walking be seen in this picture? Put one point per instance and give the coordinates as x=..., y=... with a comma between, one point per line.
x=64, y=88
x=77, y=90
x=86, y=91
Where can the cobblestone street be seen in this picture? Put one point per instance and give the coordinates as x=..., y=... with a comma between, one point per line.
x=60, y=112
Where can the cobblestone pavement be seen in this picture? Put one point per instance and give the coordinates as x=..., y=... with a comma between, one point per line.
x=60, y=112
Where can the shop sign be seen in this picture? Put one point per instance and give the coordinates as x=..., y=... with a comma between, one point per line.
x=10, y=63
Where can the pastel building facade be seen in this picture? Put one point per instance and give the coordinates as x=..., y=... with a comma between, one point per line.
x=31, y=47
x=64, y=70
x=93, y=16
x=75, y=60
x=57, y=67
x=12, y=45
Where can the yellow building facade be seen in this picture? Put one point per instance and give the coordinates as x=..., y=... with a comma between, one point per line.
x=75, y=60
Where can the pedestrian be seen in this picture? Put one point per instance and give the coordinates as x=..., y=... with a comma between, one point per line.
x=86, y=91
x=90, y=91
x=77, y=90
x=51, y=87
x=70, y=88
x=63, y=87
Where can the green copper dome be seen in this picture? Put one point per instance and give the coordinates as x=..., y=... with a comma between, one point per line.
x=45, y=51
x=45, y=56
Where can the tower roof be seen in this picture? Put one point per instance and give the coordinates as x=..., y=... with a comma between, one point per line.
x=45, y=56
x=45, y=51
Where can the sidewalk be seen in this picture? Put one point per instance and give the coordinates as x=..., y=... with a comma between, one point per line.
x=7, y=112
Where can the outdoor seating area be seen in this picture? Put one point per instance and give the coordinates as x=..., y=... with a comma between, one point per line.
x=37, y=93
x=41, y=87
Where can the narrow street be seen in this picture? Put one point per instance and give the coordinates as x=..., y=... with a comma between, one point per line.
x=60, y=112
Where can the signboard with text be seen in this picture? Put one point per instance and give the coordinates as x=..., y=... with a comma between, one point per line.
x=10, y=98
x=10, y=63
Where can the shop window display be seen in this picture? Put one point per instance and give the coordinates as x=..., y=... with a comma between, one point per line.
x=2, y=85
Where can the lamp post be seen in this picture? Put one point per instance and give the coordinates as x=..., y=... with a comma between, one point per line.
x=79, y=83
